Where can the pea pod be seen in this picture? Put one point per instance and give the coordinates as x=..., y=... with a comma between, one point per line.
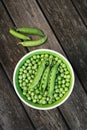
x=44, y=79
x=38, y=75
x=18, y=35
x=51, y=82
x=34, y=43
x=33, y=31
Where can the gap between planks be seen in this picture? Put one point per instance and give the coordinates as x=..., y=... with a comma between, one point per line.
x=1, y=66
x=78, y=13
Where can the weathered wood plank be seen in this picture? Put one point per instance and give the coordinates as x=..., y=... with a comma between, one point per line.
x=32, y=14
x=12, y=114
x=10, y=53
x=75, y=112
x=70, y=31
x=81, y=6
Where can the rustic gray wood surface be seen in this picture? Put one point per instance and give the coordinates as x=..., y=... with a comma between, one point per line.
x=67, y=34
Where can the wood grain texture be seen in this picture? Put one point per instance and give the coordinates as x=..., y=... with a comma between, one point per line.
x=12, y=115
x=10, y=54
x=81, y=6
x=75, y=109
x=70, y=31
x=32, y=13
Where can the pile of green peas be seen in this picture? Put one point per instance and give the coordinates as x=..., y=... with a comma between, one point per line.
x=44, y=78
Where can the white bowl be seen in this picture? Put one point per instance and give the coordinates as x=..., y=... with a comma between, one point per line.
x=22, y=97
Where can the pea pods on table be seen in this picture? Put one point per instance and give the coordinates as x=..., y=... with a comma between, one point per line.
x=52, y=77
x=33, y=31
x=18, y=35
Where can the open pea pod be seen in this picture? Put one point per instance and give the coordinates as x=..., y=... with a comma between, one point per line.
x=44, y=79
x=52, y=77
x=38, y=75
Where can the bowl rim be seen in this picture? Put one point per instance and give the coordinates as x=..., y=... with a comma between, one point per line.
x=50, y=107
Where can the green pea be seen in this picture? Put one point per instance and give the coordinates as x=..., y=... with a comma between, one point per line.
x=34, y=100
x=25, y=64
x=39, y=96
x=35, y=66
x=61, y=70
x=44, y=102
x=62, y=75
x=29, y=78
x=28, y=61
x=20, y=77
x=49, y=102
x=68, y=76
x=57, y=90
x=61, y=89
x=60, y=95
x=23, y=67
x=30, y=71
x=63, y=92
x=63, y=85
x=20, y=69
x=24, y=76
x=59, y=61
x=28, y=68
x=56, y=59
x=57, y=98
x=30, y=65
x=66, y=89
x=56, y=87
x=63, y=81
x=29, y=98
x=32, y=94
x=37, y=91
x=47, y=98
x=24, y=92
x=55, y=95
x=46, y=55
x=34, y=57
x=31, y=81
x=66, y=72
x=59, y=78
x=46, y=93
x=63, y=65
x=26, y=81
x=24, y=84
x=59, y=86
x=50, y=57
x=20, y=81
x=67, y=84
x=25, y=71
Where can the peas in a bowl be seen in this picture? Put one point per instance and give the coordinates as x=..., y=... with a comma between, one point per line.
x=43, y=79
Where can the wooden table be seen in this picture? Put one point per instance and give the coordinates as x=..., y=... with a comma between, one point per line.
x=65, y=24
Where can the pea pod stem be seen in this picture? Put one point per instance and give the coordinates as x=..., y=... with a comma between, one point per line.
x=18, y=35
x=38, y=75
x=33, y=31
x=52, y=80
x=34, y=43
